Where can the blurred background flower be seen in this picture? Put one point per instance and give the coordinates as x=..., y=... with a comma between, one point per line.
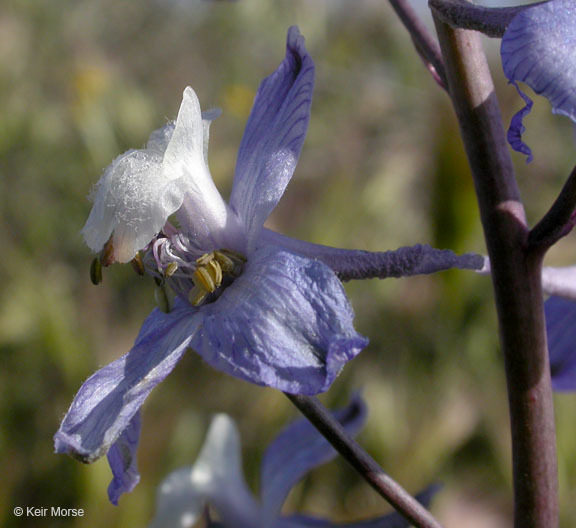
x=83, y=81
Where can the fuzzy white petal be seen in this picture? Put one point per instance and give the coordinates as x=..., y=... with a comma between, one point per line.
x=133, y=199
x=142, y=188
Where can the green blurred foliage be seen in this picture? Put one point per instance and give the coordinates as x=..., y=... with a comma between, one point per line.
x=382, y=167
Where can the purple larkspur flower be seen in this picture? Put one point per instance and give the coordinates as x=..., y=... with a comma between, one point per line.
x=538, y=49
x=249, y=307
x=216, y=478
x=252, y=303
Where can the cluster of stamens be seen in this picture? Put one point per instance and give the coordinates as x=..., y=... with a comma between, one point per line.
x=211, y=271
x=169, y=261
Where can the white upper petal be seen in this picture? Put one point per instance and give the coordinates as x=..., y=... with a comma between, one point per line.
x=132, y=200
x=142, y=188
x=204, y=216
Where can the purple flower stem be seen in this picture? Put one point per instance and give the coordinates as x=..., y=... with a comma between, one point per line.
x=516, y=278
x=559, y=220
x=492, y=21
x=425, y=43
x=362, y=462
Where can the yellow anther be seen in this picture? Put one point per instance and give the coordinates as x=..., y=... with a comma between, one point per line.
x=96, y=271
x=226, y=263
x=203, y=278
x=205, y=259
x=196, y=295
x=210, y=271
x=137, y=264
x=170, y=269
x=215, y=271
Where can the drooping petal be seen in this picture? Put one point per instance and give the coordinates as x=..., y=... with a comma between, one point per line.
x=274, y=136
x=561, y=330
x=204, y=215
x=297, y=450
x=285, y=323
x=216, y=477
x=538, y=49
x=122, y=460
x=108, y=400
x=392, y=520
x=351, y=264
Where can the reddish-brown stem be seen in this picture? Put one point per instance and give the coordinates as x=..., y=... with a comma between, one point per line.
x=424, y=42
x=516, y=275
x=362, y=462
x=559, y=220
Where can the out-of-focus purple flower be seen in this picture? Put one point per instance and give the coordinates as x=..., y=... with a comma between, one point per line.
x=561, y=330
x=216, y=479
x=538, y=49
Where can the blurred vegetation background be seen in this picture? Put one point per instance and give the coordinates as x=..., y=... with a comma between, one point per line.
x=382, y=167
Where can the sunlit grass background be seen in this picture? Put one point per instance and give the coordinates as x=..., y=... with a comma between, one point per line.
x=382, y=167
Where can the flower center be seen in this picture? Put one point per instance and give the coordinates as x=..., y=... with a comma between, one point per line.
x=175, y=262
x=214, y=271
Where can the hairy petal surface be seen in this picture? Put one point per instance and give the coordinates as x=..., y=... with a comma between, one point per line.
x=285, y=323
x=561, y=330
x=109, y=399
x=142, y=188
x=274, y=136
x=297, y=450
x=122, y=460
x=351, y=264
x=132, y=201
x=538, y=49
